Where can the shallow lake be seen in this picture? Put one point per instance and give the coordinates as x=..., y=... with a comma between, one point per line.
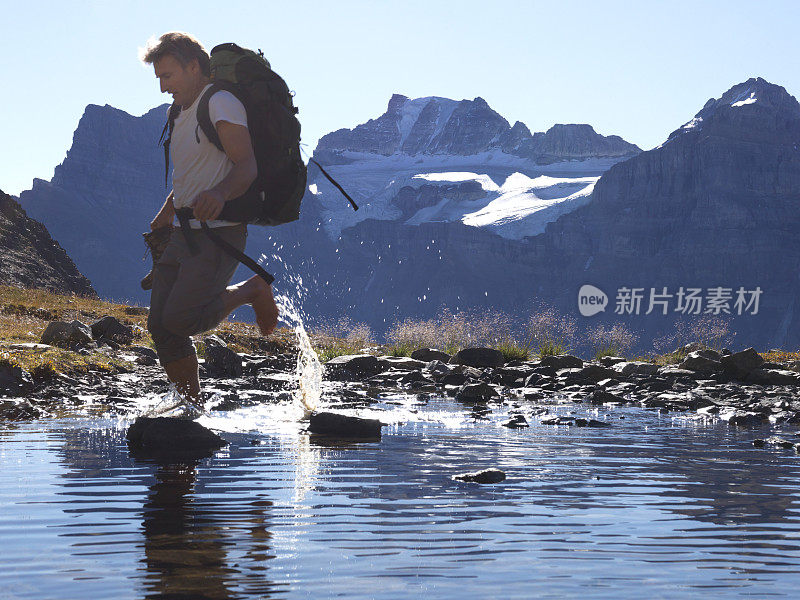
x=656, y=506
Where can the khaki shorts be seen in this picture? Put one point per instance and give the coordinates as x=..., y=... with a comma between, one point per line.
x=186, y=298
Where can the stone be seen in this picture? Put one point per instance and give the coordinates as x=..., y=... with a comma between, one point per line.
x=561, y=361
x=741, y=418
x=485, y=476
x=773, y=377
x=700, y=361
x=592, y=372
x=144, y=351
x=221, y=361
x=779, y=442
x=403, y=363
x=168, y=437
x=610, y=361
x=343, y=426
x=636, y=368
x=580, y=422
x=602, y=397
x=357, y=364
x=429, y=354
x=111, y=328
x=14, y=380
x=72, y=335
x=516, y=422
x=476, y=392
x=454, y=378
x=739, y=364
x=478, y=357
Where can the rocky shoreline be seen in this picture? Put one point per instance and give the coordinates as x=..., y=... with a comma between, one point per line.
x=738, y=387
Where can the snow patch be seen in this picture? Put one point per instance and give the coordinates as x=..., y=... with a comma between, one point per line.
x=459, y=177
x=694, y=123
x=751, y=99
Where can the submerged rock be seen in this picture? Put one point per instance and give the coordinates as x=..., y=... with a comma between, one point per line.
x=485, y=476
x=516, y=422
x=168, y=437
x=343, y=426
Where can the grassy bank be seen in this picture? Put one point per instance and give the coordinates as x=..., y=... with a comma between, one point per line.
x=25, y=313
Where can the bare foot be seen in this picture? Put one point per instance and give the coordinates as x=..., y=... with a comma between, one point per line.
x=263, y=304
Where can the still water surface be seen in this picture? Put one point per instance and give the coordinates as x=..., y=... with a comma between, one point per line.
x=655, y=507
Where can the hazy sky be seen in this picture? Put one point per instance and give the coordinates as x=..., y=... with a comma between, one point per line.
x=638, y=69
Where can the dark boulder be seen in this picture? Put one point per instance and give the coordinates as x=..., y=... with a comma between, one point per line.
x=485, y=476
x=221, y=361
x=516, y=422
x=476, y=392
x=72, y=335
x=739, y=364
x=356, y=364
x=478, y=357
x=14, y=380
x=171, y=438
x=429, y=354
x=110, y=328
x=561, y=361
x=343, y=426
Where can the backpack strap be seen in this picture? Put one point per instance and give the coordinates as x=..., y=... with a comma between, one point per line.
x=237, y=254
x=186, y=213
x=166, y=137
x=204, y=117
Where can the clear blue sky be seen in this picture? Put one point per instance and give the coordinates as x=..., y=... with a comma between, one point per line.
x=638, y=69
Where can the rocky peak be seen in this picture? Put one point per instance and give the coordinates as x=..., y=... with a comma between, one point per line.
x=435, y=125
x=754, y=110
x=575, y=142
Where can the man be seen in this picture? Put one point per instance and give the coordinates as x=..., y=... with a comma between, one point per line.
x=190, y=292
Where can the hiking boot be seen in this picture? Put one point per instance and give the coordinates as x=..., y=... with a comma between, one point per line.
x=156, y=242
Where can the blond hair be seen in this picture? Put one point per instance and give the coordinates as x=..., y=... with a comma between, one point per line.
x=184, y=47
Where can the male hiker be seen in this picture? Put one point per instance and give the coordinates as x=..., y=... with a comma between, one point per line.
x=190, y=292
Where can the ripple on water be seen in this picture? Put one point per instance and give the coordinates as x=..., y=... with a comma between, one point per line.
x=680, y=507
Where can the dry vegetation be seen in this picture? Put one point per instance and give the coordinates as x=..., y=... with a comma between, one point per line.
x=25, y=313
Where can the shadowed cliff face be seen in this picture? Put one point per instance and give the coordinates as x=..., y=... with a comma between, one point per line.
x=718, y=204
x=31, y=258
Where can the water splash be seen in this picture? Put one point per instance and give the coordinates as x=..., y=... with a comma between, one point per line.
x=308, y=370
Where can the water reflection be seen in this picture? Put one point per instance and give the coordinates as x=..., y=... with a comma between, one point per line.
x=686, y=507
x=199, y=542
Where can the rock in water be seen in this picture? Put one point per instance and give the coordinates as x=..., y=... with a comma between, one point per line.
x=342, y=426
x=171, y=438
x=485, y=476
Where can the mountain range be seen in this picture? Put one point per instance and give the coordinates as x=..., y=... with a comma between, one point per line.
x=460, y=209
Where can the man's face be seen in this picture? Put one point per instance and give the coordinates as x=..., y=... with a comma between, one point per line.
x=182, y=82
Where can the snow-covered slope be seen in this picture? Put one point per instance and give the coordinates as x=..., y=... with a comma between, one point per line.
x=488, y=174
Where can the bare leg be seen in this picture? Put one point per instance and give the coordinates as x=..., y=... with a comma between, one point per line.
x=184, y=374
x=258, y=293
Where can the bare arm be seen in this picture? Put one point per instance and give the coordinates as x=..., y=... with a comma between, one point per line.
x=165, y=215
x=236, y=142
